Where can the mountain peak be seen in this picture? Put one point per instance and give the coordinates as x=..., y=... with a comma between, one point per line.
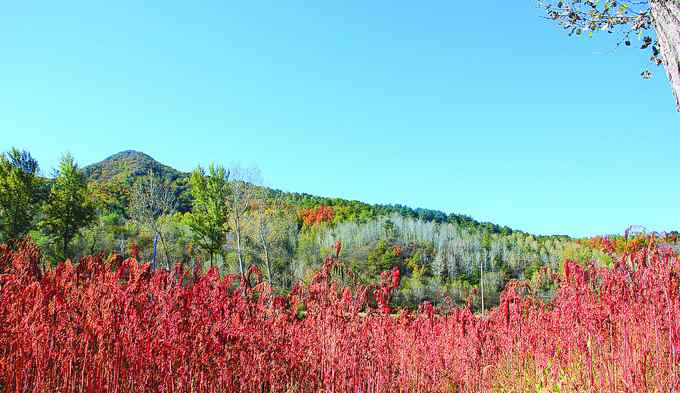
x=129, y=154
x=126, y=165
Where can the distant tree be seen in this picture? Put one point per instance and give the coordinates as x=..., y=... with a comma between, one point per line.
x=69, y=207
x=19, y=193
x=390, y=229
x=271, y=224
x=152, y=198
x=242, y=195
x=318, y=215
x=383, y=257
x=210, y=209
x=108, y=225
x=655, y=22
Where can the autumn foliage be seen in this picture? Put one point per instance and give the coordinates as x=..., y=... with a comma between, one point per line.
x=317, y=215
x=112, y=325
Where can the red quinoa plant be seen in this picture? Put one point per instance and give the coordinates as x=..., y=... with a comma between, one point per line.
x=112, y=325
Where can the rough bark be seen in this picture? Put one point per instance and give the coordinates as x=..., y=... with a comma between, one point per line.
x=666, y=19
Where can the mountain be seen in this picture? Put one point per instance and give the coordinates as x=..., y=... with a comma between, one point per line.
x=127, y=165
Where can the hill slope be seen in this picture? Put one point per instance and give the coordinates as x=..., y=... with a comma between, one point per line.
x=128, y=165
x=124, y=167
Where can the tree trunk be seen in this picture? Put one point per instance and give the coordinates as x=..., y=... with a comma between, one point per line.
x=165, y=250
x=666, y=19
x=155, y=251
x=481, y=281
x=263, y=239
x=238, y=243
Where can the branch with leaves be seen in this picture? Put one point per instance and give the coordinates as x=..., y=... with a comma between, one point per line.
x=655, y=23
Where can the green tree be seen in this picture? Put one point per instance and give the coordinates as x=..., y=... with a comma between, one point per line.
x=272, y=225
x=210, y=210
x=69, y=207
x=383, y=257
x=19, y=194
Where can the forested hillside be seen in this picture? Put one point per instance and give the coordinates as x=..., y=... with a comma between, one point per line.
x=122, y=169
x=126, y=166
x=131, y=205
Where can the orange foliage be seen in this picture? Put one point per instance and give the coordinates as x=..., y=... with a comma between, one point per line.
x=317, y=215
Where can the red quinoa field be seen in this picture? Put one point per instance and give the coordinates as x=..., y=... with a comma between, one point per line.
x=108, y=325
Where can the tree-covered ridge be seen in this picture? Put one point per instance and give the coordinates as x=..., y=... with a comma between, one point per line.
x=356, y=211
x=120, y=170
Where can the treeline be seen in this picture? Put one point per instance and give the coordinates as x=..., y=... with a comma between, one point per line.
x=221, y=217
x=231, y=223
x=356, y=211
x=448, y=261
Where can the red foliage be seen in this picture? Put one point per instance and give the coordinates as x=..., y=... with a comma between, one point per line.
x=317, y=215
x=95, y=328
x=627, y=244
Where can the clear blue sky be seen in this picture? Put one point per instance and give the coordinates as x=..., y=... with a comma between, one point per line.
x=478, y=107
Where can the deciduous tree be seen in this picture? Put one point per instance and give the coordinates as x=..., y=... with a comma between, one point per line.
x=19, y=193
x=271, y=223
x=152, y=197
x=656, y=23
x=242, y=195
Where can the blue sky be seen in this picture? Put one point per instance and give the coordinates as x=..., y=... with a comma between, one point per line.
x=481, y=108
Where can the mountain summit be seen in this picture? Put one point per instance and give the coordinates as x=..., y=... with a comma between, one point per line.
x=126, y=165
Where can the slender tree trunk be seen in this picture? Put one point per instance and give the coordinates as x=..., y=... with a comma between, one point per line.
x=666, y=19
x=165, y=250
x=238, y=242
x=481, y=280
x=156, y=228
x=263, y=239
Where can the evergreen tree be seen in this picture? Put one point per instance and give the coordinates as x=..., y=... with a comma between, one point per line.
x=69, y=207
x=210, y=211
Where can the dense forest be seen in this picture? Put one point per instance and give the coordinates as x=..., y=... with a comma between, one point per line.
x=131, y=205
